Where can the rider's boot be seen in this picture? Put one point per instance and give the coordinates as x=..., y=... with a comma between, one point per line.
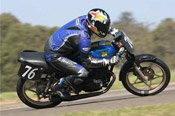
x=59, y=88
x=74, y=82
x=63, y=93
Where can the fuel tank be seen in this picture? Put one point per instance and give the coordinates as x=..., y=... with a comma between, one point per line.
x=100, y=49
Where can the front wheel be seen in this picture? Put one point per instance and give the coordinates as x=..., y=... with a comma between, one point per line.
x=28, y=94
x=156, y=71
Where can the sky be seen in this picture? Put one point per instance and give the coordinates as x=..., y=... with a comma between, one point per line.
x=58, y=12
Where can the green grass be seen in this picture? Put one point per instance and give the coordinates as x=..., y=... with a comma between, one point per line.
x=156, y=110
x=8, y=96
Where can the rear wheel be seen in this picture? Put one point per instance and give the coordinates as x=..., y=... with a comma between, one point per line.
x=156, y=71
x=29, y=94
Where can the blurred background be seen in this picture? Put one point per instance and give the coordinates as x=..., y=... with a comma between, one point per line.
x=27, y=24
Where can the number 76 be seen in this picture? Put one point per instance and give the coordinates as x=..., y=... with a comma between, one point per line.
x=29, y=72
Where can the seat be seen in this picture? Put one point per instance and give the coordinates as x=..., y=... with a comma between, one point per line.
x=35, y=58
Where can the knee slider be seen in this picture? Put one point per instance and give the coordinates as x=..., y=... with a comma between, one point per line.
x=83, y=73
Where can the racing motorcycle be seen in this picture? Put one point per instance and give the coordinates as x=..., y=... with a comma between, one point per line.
x=142, y=74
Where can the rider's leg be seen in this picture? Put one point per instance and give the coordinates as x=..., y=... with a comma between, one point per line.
x=76, y=72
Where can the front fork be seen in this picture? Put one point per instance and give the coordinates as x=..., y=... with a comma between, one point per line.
x=140, y=73
x=137, y=68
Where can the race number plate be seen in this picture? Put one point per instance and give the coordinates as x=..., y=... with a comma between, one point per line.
x=30, y=71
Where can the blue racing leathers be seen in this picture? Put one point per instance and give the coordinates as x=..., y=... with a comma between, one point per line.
x=72, y=38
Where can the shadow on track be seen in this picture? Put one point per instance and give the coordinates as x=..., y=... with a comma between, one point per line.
x=101, y=100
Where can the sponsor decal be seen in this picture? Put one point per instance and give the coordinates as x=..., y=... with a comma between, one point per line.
x=86, y=49
x=103, y=54
x=67, y=61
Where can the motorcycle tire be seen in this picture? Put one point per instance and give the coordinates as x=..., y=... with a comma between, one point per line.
x=155, y=91
x=26, y=100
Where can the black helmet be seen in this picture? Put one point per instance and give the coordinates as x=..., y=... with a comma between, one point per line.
x=98, y=21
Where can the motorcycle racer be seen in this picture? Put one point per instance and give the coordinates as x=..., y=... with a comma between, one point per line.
x=75, y=37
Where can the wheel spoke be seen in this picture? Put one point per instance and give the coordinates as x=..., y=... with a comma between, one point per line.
x=32, y=90
x=135, y=81
x=148, y=85
x=157, y=76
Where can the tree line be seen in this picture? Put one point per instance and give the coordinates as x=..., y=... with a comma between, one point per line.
x=16, y=36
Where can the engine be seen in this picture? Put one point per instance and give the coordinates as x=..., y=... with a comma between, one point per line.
x=97, y=79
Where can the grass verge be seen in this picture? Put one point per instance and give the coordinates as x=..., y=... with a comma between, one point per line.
x=156, y=110
x=8, y=97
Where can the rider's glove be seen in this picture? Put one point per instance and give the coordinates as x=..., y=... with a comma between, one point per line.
x=113, y=60
x=113, y=31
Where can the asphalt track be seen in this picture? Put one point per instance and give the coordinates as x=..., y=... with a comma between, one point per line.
x=111, y=100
